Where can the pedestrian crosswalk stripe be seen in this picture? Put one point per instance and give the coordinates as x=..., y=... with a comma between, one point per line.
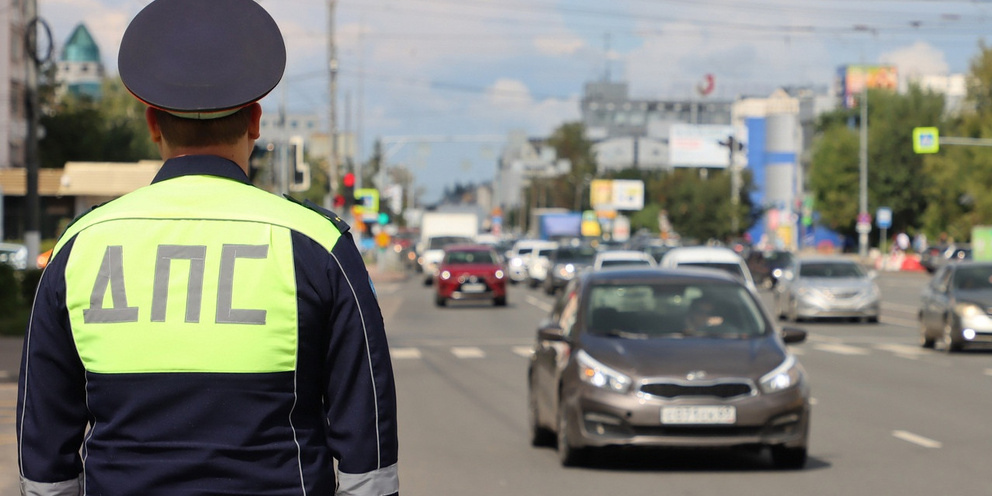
x=524, y=351
x=902, y=350
x=468, y=352
x=842, y=349
x=404, y=353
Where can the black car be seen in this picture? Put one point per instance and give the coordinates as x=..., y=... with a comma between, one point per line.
x=666, y=358
x=955, y=307
x=566, y=263
x=767, y=266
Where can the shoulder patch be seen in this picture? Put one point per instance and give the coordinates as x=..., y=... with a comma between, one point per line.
x=335, y=219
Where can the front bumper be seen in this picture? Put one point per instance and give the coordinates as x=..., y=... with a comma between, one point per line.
x=815, y=307
x=598, y=418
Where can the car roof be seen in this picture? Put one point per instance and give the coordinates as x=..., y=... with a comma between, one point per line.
x=709, y=253
x=623, y=255
x=826, y=259
x=468, y=247
x=648, y=274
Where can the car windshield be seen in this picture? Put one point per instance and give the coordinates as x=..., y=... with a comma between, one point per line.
x=978, y=277
x=439, y=242
x=732, y=268
x=469, y=257
x=831, y=270
x=576, y=254
x=669, y=310
x=619, y=263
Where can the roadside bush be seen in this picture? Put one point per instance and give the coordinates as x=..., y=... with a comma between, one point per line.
x=14, y=310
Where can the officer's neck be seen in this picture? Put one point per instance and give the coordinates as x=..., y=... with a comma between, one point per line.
x=234, y=153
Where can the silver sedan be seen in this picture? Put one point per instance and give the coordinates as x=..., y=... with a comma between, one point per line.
x=825, y=287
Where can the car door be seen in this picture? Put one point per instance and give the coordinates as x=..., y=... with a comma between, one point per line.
x=544, y=361
x=936, y=298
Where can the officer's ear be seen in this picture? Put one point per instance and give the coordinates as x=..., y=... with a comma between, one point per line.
x=151, y=118
x=254, y=124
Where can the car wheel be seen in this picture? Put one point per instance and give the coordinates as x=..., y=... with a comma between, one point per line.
x=793, y=312
x=925, y=341
x=539, y=436
x=549, y=289
x=428, y=281
x=789, y=458
x=499, y=301
x=440, y=300
x=569, y=455
x=949, y=344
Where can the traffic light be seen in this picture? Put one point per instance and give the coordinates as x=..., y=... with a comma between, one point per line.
x=348, y=192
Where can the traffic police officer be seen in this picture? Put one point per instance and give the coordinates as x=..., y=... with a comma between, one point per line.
x=200, y=336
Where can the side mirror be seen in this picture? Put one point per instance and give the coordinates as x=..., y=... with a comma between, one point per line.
x=550, y=332
x=793, y=335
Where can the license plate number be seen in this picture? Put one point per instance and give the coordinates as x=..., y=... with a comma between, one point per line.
x=698, y=415
x=473, y=287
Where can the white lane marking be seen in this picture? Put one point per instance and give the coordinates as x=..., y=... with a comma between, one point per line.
x=468, y=352
x=902, y=350
x=912, y=324
x=538, y=303
x=404, y=353
x=900, y=307
x=524, y=351
x=988, y=371
x=796, y=351
x=813, y=401
x=841, y=349
x=917, y=439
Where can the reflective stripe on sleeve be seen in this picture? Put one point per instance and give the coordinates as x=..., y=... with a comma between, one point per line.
x=73, y=487
x=380, y=482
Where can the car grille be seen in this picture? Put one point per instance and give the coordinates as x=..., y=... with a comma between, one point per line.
x=841, y=294
x=719, y=390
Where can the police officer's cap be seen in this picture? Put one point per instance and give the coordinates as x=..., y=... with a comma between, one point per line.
x=201, y=59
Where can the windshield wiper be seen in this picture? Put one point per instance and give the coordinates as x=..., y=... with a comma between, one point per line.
x=617, y=333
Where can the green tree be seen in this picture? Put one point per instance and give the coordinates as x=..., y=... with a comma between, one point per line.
x=961, y=176
x=895, y=173
x=570, y=143
x=700, y=207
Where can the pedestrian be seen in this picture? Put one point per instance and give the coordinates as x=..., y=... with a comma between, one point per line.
x=200, y=336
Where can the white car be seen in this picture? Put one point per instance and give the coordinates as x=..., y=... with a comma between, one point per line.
x=538, y=263
x=516, y=260
x=626, y=258
x=711, y=257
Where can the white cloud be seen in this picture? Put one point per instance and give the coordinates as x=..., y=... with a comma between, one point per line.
x=556, y=46
x=918, y=59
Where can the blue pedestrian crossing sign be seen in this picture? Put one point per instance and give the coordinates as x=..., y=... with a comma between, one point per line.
x=926, y=140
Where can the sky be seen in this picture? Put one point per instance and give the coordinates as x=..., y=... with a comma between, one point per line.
x=439, y=81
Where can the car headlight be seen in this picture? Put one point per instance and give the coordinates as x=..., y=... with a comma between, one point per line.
x=599, y=375
x=785, y=376
x=968, y=310
x=499, y=274
x=516, y=262
x=445, y=275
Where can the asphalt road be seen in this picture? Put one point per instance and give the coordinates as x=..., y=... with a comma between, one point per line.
x=889, y=417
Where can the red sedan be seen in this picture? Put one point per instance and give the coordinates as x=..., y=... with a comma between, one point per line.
x=470, y=272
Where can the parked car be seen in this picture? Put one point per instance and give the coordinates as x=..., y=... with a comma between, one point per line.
x=538, y=264
x=666, y=358
x=955, y=306
x=767, y=266
x=471, y=272
x=932, y=261
x=14, y=255
x=566, y=263
x=709, y=257
x=619, y=258
x=820, y=287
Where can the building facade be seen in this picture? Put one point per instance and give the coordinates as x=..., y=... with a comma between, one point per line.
x=80, y=69
x=13, y=78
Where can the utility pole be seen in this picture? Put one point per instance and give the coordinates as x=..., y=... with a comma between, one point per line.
x=32, y=230
x=863, y=171
x=734, y=146
x=332, y=65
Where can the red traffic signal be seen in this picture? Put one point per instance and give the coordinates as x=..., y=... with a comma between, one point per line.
x=349, y=180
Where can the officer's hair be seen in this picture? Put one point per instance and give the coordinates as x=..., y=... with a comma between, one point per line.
x=182, y=132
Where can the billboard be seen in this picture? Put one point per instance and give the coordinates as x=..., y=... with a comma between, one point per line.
x=616, y=194
x=852, y=79
x=698, y=145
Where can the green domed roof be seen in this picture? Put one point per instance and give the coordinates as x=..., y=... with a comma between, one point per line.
x=80, y=47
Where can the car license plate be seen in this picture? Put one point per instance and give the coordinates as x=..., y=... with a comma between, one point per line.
x=698, y=415
x=473, y=287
